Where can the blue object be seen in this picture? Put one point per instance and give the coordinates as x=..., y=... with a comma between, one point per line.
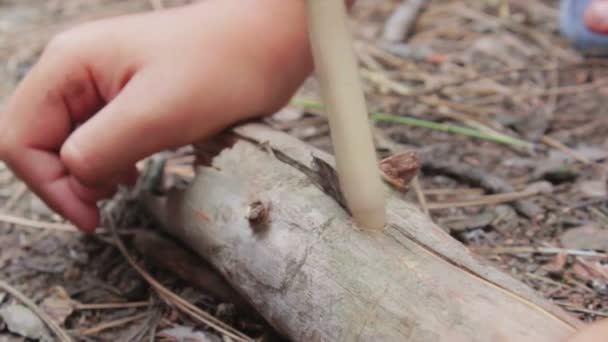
x=573, y=28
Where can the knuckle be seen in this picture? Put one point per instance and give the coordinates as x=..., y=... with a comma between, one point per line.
x=79, y=165
x=63, y=43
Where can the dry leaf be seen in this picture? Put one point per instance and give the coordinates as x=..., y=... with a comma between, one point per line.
x=187, y=334
x=589, y=269
x=59, y=306
x=399, y=169
x=463, y=223
x=595, y=188
x=585, y=237
x=557, y=264
x=22, y=321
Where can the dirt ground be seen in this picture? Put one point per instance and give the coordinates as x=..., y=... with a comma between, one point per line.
x=530, y=194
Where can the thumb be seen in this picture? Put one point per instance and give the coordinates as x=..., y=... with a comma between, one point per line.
x=596, y=16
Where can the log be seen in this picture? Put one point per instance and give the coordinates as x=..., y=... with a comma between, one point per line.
x=264, y=210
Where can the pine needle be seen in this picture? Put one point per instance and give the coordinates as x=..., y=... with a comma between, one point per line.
x=176, y=300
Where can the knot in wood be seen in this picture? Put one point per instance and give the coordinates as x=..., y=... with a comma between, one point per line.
x=258, y=215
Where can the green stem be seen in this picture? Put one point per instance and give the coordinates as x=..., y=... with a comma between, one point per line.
x=442, y=127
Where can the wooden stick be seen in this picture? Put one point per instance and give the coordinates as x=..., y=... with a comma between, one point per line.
x=307, y=255
x=341, y=89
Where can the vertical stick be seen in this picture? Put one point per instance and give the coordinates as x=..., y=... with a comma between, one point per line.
x=337, y=70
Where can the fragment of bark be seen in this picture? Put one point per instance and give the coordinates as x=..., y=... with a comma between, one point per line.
x=314, y=277
x=480, y=178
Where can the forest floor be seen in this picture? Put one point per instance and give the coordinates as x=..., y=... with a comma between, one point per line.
x=502, y=70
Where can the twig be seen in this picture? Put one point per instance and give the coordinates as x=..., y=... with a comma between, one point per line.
x=494, y=74
x=55, y=328
x=398, y=25
x=37, y=224
x=112, y=324
x=420, y=195
x=478, y=177
x=484, y=200
x=174, y=299
x=571, y=307
x=17, y=194
x=453, y=192
x=583, y=204
x=561, y=147
x=110, y=306
x=545, y=250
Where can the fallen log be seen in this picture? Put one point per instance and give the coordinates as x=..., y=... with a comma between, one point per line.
x=264, y=210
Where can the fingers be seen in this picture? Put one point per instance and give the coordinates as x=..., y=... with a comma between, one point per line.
x=596, y=16
x=57, y=94
x=149, y=115
x=52, y=183
x=91, y=195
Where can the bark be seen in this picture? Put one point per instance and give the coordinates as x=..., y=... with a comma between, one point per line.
x=266, y=214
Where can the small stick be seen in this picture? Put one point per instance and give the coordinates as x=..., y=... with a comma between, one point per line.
x=16, y=196
x=37, y=224
x=453, y=192
x=565, y=149
x=484, y=200
x=544, y=250
x=421, y=196
x=61, y=227
x=350, y=130
x=109, y=306
x=112, y=324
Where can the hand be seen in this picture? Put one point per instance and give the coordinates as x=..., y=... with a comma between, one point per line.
x=110, y=93
x=596, y=332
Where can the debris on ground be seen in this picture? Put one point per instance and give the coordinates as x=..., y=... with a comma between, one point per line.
x=507, y=118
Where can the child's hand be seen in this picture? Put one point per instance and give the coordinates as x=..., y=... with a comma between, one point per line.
x=596, y=332
x=110, y=93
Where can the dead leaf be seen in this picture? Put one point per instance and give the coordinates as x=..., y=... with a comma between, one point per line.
x=557, y=264
x=585, y=237
x=463, y=223
x=22, y=321
x=58, y=305
x=592, y=153
x=288, y=114
x=594, y=188
x=11, y=338
x=187, y=334
x=582, y=272
x=591, y=270
x=399, y=169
